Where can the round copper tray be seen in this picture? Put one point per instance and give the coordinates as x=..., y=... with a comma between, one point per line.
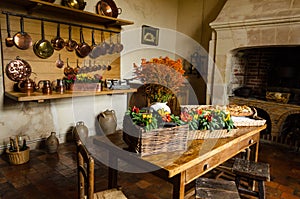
x=18, y=69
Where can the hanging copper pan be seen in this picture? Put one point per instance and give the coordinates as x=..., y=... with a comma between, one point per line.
x=82, y=49
x=22, y=40
x=43, y=48
x=18, y=69
x=108, y=8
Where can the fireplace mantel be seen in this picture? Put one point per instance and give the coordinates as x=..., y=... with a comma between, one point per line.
x=251, y=23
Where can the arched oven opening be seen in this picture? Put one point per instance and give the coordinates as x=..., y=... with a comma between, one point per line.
x=290, y=132
x=263, y=114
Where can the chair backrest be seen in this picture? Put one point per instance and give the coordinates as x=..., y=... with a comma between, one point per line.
x=85, y=169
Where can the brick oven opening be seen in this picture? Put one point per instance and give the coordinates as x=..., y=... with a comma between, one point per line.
x=271, y=68
x=257, y=70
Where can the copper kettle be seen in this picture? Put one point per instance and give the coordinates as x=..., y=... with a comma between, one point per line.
x=27, y=85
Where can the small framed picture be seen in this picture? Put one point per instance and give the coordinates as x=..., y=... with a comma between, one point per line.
x=150, y=35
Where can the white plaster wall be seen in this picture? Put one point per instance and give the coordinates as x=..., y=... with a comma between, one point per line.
x=38, y=119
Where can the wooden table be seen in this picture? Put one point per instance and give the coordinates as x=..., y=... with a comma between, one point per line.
x=181, y=168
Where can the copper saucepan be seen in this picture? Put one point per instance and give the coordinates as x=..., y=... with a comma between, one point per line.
x=22, y=40
x=70, y=43
x=58, y=43
x=43, y=48
x=95, y=49
x=83, y=49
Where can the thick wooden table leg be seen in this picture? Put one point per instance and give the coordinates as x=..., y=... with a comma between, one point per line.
x=178, y=186
x=112, y=171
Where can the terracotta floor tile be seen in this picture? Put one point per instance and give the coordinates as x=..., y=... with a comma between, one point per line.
x=48, y=176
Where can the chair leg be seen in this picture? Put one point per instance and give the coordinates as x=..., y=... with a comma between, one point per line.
x=237, y=181
x=261, y=189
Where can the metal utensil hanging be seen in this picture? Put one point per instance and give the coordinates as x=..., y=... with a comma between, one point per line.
x=22, y=40
x=9, y=40
x=43, y=48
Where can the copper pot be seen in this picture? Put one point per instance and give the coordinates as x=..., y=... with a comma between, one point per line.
x=76, y=4
x=27, y=86
x=108, y=8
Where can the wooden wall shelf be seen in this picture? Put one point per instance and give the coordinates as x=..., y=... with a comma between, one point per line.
x=39, y=97
x=33, y=6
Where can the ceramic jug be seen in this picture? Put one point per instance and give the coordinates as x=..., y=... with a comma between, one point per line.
x=52, y=143
x=108, y=121
x=81, y=130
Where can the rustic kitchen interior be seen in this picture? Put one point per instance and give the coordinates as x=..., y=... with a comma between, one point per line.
x=245, y=54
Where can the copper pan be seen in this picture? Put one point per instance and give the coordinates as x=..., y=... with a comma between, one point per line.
x=22, y=40
x=83, y=49
x=70, y=43
x=43, y=48
x=58, y=43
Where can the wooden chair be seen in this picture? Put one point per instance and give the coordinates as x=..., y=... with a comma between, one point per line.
x=251, y=170
x=207, y=188
x=85, y=168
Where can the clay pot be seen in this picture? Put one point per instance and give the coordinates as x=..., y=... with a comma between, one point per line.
x=81, y=130
x=108, y=121
x=52, y=143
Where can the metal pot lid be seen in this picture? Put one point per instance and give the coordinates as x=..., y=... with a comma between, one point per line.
x=18, y=69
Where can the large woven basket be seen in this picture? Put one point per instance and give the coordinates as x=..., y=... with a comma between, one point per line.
x=18, y=157
x=210, y=134
x=155, y=141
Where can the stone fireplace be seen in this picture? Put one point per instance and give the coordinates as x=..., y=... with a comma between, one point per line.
x=256, y=44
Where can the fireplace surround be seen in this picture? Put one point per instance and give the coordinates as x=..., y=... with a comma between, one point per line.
x=257, y=25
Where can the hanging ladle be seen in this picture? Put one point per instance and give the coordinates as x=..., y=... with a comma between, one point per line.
x=9, y=40
x=59, y=63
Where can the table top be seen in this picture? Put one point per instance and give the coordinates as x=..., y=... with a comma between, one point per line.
x=179, y=161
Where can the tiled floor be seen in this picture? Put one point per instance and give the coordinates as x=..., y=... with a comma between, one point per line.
x=54, y=176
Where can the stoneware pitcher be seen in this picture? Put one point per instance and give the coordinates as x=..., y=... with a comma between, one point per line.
x=108, y=121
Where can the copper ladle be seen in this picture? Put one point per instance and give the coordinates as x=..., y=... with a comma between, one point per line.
x=9, y=41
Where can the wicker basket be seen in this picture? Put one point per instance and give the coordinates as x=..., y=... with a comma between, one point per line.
x=208, y=134
x=248, y=121
x=18, y=157
x=156, y=141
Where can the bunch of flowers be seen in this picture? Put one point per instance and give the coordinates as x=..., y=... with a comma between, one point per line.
x=142, y=118
x=202, y=119
x=87, y=78
x=152, y=120
x=162, y=77
x=70, y=79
